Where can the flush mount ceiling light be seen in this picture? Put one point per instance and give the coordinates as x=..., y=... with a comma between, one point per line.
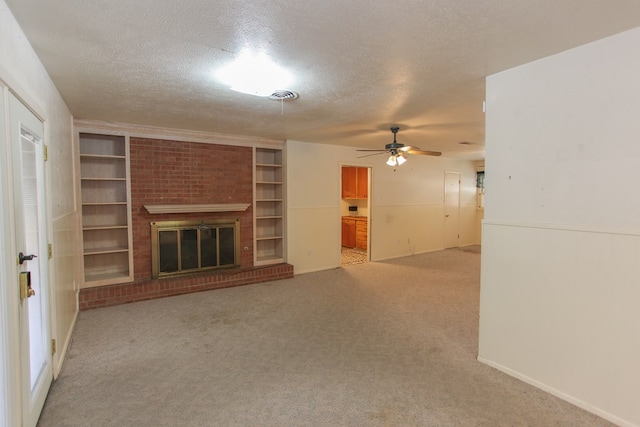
x=254, y=74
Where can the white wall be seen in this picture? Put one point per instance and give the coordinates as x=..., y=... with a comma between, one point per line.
x=407, y=206
x=22, y=72
x=561, y=235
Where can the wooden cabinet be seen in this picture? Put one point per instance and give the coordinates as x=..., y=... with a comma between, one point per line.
x=354, y=232
x=361, y=233
x=269, y=206
x=362, y=183
x=349, y=182
x=348, y=232
x=106, y=209
x=355, y=182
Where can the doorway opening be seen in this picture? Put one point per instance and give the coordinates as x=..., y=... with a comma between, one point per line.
x=355, y=215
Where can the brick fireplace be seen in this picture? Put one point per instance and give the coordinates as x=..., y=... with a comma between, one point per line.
x=165, y=172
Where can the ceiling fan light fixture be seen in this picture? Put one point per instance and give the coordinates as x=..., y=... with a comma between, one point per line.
x=399, y=151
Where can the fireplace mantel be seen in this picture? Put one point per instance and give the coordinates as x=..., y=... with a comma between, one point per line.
x=212, y=207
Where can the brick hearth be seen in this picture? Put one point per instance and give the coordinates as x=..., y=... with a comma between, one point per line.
x=104, y=296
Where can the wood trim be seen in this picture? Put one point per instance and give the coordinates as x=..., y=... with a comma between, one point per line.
x=215, y=207
x=153, y=132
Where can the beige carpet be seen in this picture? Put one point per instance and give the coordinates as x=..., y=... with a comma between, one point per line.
x=375, y=344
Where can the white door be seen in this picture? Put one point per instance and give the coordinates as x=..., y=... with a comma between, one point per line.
x=32, y=258
x=451, y=209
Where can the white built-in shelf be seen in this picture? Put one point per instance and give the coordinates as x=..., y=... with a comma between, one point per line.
x=269, y=206
x=104, y=179
x=104, y=203
x=101, y=156
x=272, y=237
x=107, y=227
x=106, y=208
x=105, y=278
x=104, y=251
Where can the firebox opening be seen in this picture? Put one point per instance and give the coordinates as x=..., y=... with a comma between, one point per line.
x=181, y=247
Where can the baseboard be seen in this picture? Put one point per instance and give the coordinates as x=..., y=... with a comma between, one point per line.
x=57, y=367
x=408, y=255
x=557, y=393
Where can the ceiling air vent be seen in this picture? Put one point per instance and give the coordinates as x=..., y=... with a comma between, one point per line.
x=283, y=95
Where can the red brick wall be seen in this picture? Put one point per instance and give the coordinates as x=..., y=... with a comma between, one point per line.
x=175, y=172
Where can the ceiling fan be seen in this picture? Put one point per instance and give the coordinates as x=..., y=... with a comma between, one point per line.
x=398, y=151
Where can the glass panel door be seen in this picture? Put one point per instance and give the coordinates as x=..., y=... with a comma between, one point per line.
x=31, y=243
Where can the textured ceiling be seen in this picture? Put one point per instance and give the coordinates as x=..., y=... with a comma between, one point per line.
x=360, y=66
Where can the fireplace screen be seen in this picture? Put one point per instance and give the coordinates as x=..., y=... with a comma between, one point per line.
x=179, y=247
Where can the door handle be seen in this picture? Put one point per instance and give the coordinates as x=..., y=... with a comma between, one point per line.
x=446, y=216
x=22, y=257
x=26, y=291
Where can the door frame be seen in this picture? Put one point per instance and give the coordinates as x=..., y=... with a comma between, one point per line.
x=369, y=204
x=11, y=389
x=9, y=325
x=444, y=219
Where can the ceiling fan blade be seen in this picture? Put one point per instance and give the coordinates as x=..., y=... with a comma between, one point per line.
x=414, y=150
x=374, y=154
x=370, y=150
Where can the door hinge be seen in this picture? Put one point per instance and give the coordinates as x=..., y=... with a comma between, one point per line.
x=53, y=347
x=50, y=250
x=46, y=152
